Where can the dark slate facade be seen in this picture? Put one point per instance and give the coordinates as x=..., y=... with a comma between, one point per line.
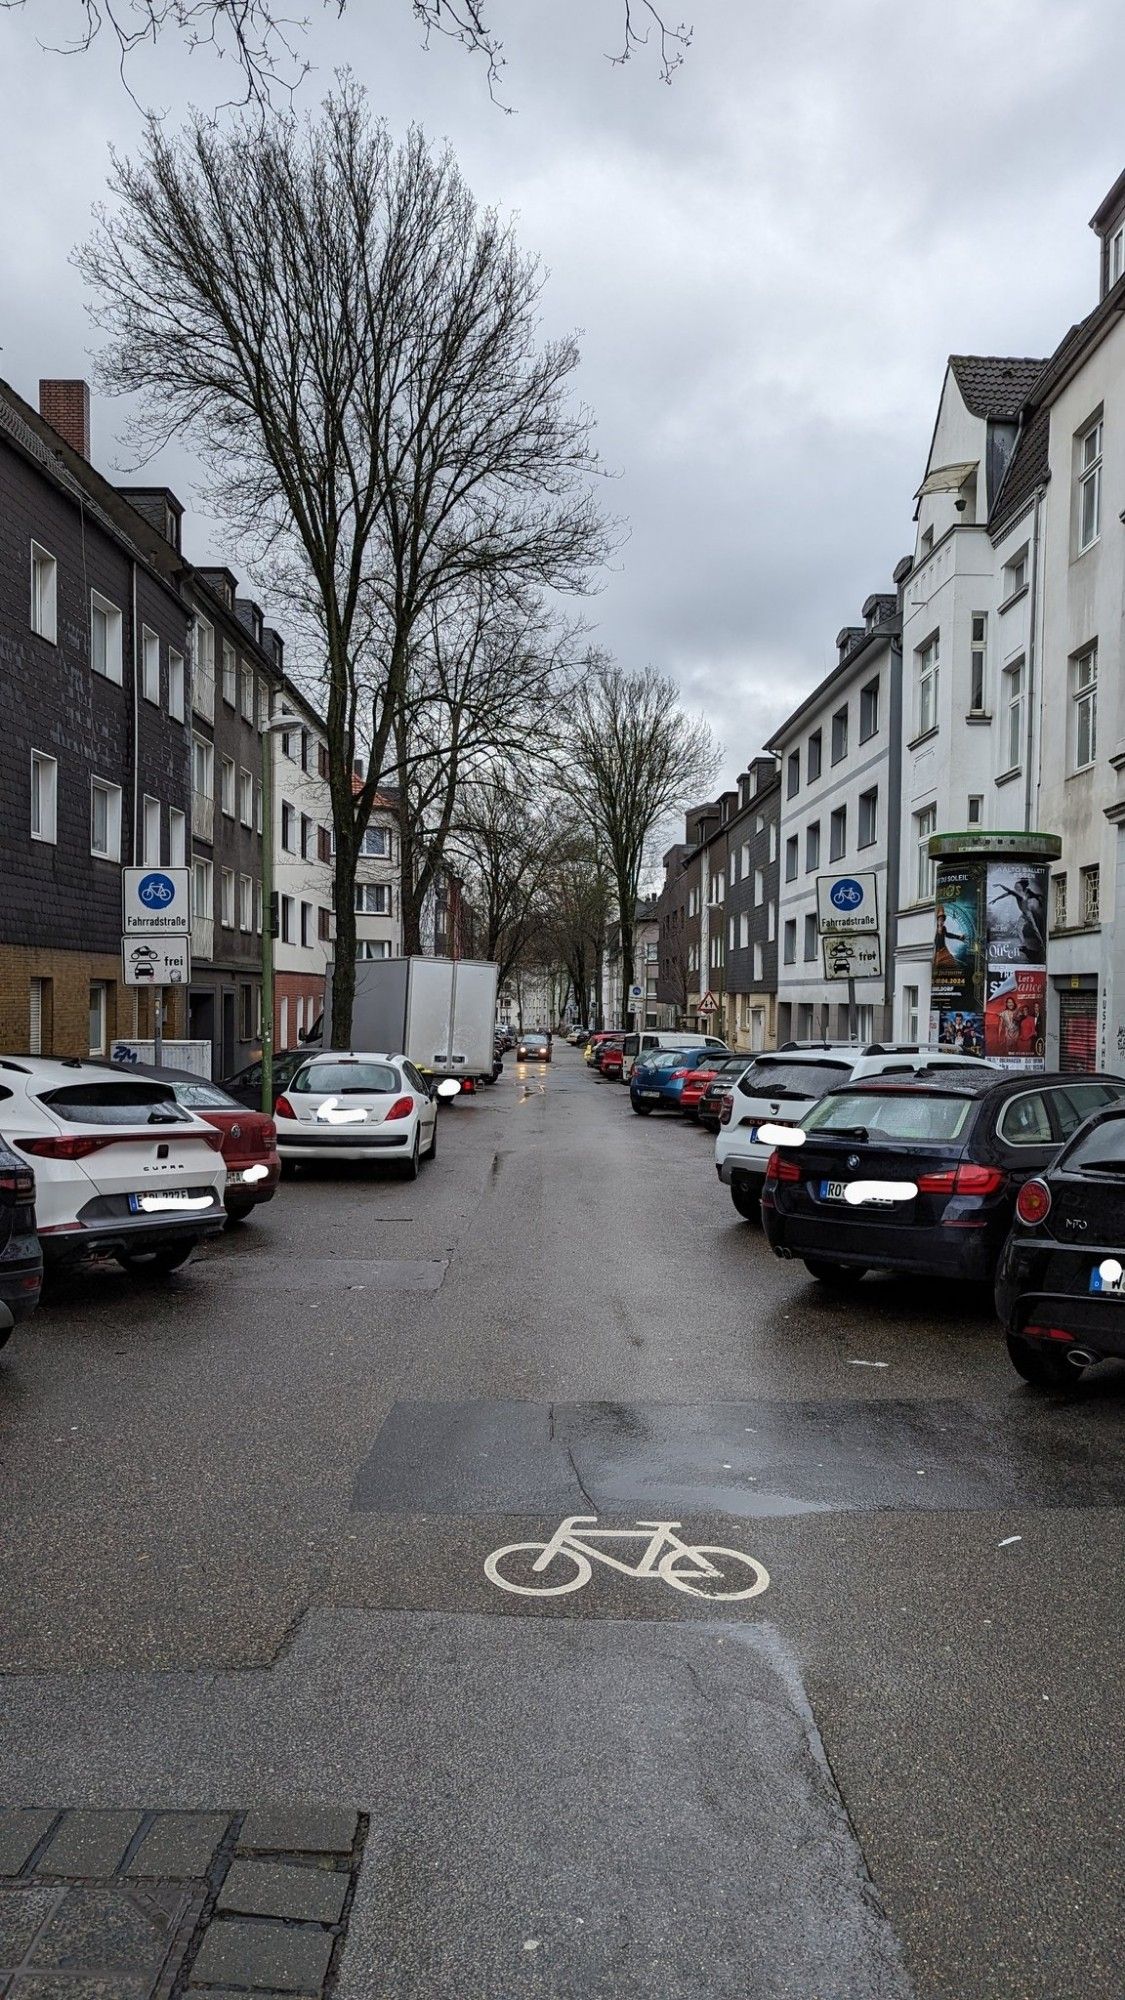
x=753, y=843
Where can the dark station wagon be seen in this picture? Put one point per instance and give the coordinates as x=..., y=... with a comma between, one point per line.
x=919, y=1177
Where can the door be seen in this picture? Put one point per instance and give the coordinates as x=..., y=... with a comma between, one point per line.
x=1078, y=1033
x=228, y=1034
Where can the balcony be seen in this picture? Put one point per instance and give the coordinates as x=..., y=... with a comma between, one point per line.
x=202, y=816
x=203, y=938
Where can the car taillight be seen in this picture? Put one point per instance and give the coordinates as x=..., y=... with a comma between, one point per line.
x=781, y=1169
x=968, y=1179
x=401, y=1108
x=283, y=1108
x=21, y=1184
x=677, y=1072
x=73, y=1147
x=726, y=1112
x=212, y=1137
x=1047, y=1333
x=1033, y=1202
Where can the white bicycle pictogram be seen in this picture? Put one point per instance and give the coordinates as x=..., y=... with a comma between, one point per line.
x=702, y=1570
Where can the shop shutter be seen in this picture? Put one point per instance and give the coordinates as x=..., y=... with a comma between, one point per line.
x=35, y=1034
x=1078, y=1033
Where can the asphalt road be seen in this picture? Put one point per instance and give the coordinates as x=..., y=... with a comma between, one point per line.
x=247, y=1513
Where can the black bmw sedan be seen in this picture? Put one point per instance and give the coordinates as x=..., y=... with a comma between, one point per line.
x=918, y=1176
x=1060, y=1286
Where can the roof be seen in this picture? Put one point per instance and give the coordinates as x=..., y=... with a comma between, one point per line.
x=21, y=424
x=995, y=385
x=1028, y=468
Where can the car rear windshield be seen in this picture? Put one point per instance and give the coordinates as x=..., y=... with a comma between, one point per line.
x=792, y=1079
x=916, y=1115
x=342, y=1077
x=130, y=1102
x=203, y=1096
x=1103, y=1147
x=540, y=1041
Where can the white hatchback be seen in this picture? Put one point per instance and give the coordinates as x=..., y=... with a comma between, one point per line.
x=354, y=1106
x=121, y=1169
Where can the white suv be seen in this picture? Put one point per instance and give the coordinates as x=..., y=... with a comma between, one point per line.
x=779, y=1087
x=121, y=1169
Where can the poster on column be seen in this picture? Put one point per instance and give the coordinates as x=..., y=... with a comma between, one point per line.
x=957, y=977
x=1016, y=913
x=1015, y=1016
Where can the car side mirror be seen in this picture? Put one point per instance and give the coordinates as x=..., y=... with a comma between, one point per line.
x=448, y=1087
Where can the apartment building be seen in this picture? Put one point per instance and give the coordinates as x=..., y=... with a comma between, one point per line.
x=378, y=901
x=303, y=866
x=839, y=755
x=95, y=742
x=752, y=848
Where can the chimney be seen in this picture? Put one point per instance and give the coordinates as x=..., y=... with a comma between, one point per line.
x=66, y=407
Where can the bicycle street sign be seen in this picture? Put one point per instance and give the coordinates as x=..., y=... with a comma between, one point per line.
x=847, y=903
x=156, y=899
x=566, y=1562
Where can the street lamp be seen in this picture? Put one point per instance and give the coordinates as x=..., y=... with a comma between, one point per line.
x=275, y=727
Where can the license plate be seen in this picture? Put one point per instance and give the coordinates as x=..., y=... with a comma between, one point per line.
x=234, y=1175
x=1099, y=1282
x=165, y=1195
x=648, y=1093
x=833, y=1190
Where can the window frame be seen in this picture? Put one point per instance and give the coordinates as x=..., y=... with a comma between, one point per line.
x=1084, y=707
x=840, y=727
x=147, y=860
x=228, y=776
x=925, y=873
x=227, y=898
x=112, y=851
x=870, y=799
x=814, y=764
x=927, y=674
x=114, y=668
x=177, y=685
x=41, y=760
x=177, y=837
x=978, y=663
x=1014, y=695
x=150, y=661
x=838, y=821
x=1088, y=482
x=792, y=774
x=44, y=605
x=869, y=707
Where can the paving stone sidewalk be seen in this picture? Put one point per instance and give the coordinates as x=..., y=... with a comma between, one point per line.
x=157, y=1905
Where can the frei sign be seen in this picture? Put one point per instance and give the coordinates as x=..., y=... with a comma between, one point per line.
x=853, y=956
x=150, y=959
x=846, y=903
x=156, y=900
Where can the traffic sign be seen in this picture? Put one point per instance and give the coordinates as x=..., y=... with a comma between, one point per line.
x=708, y=1004
x=852, y=957
x=156, y=899
x=148, y=958
x=846, y=903
x=636, y=992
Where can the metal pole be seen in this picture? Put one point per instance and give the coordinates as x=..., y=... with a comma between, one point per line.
x=852, y=1022
x=158, y=1026
x=267, y=920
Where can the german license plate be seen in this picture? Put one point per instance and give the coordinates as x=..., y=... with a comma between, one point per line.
x=648, y=1093
x=136, y=1201
x=234, y=1176
x=833, y=1190
x=1099, y=1282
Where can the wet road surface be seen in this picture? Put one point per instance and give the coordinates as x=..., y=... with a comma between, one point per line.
x=247, y=1518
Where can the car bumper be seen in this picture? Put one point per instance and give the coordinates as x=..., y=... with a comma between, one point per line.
x=345, y=1146
x=21, y=1281
x=246, y=1193
x=968, y=1255
x=744, y=1159
x=70, y=1243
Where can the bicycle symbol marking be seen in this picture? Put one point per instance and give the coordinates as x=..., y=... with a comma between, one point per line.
x=156, y=892
x=846, y=894
x=566, y=1562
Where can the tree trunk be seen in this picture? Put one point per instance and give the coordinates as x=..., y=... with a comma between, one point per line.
x=626, y=971
x=343, y=956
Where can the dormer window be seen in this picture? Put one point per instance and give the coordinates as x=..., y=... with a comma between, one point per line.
x=1116, y=254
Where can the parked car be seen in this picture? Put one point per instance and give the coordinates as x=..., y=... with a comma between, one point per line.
x=657, y=1083
x=697, y=1081
x=245, y=1086
x=726, y=1071
x=121, y=1169
x=21, y=1259
x=533, y=1048
x=354, y=1106
x=647, y=1041
x=592, y=1044
x=1060, y=1285
x=575, y=1036
x=919, y=1176
x=249, y=1138
x=611, y=1057
x=778, y=1088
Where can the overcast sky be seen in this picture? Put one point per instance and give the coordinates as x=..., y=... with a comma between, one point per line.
x=769, y=262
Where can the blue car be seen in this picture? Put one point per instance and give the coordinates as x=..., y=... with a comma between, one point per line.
x=657, y=1085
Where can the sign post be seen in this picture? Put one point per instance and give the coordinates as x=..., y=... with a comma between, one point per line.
x=155, y=922
x=847, y=909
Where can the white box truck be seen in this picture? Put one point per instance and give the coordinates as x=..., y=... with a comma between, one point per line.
x=440, y=1012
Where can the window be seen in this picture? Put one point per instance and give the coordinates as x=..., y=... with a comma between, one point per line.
x=150, y=846
x=759, y=965
x=734, y=865
x=837, y=833
x=258, y=905
x=1015, y=575
x=323, y=844
x=40, y=993
x=373, y=899
x=44, y=797
x=246, y=797
x=773, y=843
x=1084, y=707
x=202, y=767
x=245, y=1013
x=377, y=841
x=1091, y=895
x=718, y=888
x=150, y=666
x=98, y=1011
x=247, y=694
x=926, y=666
x=306, y=837
x=805, y=1020
x=322, y=767
x=789, y=952
x=812, y=847
x=226, y=898
x=290, y=743
x=245, y=903
x=759, y=887
x=226, y=785
x=257, y=809
x=868, y=817
x=976, y=809
x=793, y=778
x=288, y=828
x=743, y=930
x=925, y=824
x=177, y=837
x=373, y=948
x=105, y=638
x=1013, y=715
x=810, y=935
x=1116, y=255
x=230, y=675
x=287, y=913
x=771, y=921
x=869, y=710
x=201, y=893
x=1025, y=1121
x=910, y=1012
x=323, y=925
x=815, y=754
x=1089, y=486
x=175, y=685
x=791, y=858
x=105, y=820
x=1059, y=885
x=839, y=735
x=978, y=659
x=44, y=593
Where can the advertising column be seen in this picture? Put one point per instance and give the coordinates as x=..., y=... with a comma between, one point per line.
x=989, y=979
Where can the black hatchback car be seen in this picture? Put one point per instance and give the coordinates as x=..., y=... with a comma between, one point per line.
x=21, y=1259
x=1060, y=1286
x=921, y=1176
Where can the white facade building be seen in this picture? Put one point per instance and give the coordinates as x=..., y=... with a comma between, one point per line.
x=378, y=905
x=302, y=848
x=839, y=755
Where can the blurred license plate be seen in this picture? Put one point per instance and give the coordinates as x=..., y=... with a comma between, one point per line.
x=165, y=1194
x=648, y=1093
x=1100, y=1283
x=833, y=1190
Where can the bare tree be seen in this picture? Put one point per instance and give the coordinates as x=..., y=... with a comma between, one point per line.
x=637, y=757
x=261, y=38
x=579, y=898
x=506, y=845
x=354, y=349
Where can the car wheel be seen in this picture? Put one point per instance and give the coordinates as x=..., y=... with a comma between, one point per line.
x=1039, y=1366
x=237, y=1211
x=289, y=1169
x=842, y=1277
x=643, y=1110
x=157, y=1263
x=431, y=1150
x=746, y=1199
x=410, y=1166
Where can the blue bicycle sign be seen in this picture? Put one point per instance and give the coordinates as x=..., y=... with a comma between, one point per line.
x=156, y=892
x=846, y=894
x=155, y=901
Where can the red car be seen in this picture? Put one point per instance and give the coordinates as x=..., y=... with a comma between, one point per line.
x=695, y=1083
x=249, y=1145
x=610, y=1059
